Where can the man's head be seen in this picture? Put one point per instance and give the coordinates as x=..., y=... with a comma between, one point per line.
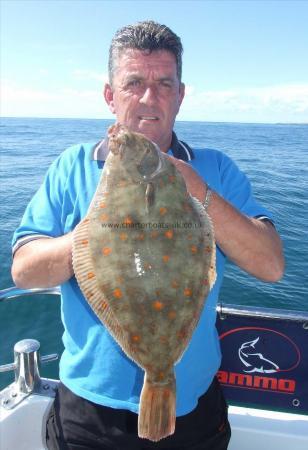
x=145, y=92
x=147, y=36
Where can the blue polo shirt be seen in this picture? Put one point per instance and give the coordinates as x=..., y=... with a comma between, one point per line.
x=93, y=365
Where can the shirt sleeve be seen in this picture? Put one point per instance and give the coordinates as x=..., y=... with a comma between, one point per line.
x=236, y=188
x=42, y=217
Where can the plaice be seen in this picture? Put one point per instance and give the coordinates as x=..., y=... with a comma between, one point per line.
x=144, y=258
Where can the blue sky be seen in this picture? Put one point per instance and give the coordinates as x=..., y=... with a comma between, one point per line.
x=243, y=60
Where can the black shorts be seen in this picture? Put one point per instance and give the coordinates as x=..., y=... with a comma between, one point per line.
x=77, y=424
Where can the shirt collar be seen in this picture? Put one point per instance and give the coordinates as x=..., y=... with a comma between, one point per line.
x=179, y=149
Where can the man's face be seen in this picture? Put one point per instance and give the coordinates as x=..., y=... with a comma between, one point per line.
x=146, y=94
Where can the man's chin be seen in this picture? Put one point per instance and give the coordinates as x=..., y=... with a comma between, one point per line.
x=150, y=130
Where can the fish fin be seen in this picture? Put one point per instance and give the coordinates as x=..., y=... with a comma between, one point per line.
x=157, y=410
x=83, y=266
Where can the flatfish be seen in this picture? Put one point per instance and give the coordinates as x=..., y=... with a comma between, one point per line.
x=144, y=258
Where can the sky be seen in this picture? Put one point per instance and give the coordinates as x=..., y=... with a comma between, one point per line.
x=244, y=60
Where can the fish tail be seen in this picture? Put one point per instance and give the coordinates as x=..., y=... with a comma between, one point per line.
x=157, y=409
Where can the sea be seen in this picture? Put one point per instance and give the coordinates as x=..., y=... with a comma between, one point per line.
x=274, y=157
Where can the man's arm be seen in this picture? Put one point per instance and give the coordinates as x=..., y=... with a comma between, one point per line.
x=43, y=262
x=253, y=245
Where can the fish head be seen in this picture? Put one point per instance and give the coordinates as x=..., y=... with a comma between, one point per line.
x=141, y=158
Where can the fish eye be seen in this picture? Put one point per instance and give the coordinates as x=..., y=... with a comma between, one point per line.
x=149, y=163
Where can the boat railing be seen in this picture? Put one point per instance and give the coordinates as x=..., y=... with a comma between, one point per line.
x=14, y=292
x=224, y=310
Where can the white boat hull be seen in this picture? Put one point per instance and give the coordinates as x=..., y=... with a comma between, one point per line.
x=23, y=427
x=23, y=416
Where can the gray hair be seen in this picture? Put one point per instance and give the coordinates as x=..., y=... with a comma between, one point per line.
x=148, y=36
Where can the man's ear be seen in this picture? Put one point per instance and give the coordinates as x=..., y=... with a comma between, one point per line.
x=108, y=95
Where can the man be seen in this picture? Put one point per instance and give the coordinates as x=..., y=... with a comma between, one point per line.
x=98, y=396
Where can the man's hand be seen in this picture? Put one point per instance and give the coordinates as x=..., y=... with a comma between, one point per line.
x=253, y=245
x=43, y=262
x=194, y=183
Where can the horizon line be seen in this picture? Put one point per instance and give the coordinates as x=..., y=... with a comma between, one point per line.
x=177, y=121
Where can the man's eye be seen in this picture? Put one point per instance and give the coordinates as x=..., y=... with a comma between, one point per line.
x=134, y=83
x=166, y=84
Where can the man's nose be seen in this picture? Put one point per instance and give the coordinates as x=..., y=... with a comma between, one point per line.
x=149, y=96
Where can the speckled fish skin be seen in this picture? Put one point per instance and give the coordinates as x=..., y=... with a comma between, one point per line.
x=144, y=257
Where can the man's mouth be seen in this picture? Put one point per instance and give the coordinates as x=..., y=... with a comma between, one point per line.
x=148, y=118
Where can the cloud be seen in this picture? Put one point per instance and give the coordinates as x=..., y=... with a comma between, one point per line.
x=20, y=101
x=11, y=92
x=82, y=74
x=285, y=103
x=280, y=103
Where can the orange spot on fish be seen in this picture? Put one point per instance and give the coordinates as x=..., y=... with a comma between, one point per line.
x=193, y=249
x=208, y=249
x=128, y=220
x=187, y=292
x=104, y=217
x=102, y=205
x=166, y=258
x=117, y=293
x=154, y=234
x=175, y=284
x=169, y=234
x=136, y=338
x=85, y=242
x=158, y=306
x=123, y=236
x=172, y=315
x=140, y=237
x=104, y=305
x=161, y=375
x=106, y=251
x=90, y=275
x=162, y=211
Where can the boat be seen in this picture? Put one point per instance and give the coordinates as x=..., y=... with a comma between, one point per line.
x=264, y=374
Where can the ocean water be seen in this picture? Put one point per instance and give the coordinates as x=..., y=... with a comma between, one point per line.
x=275, y=158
